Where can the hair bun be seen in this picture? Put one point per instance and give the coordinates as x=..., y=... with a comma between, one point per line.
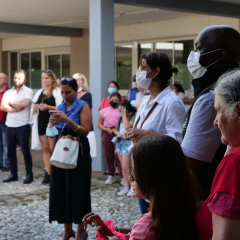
x=174, y=70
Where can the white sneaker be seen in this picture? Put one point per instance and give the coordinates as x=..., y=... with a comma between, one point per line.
x=110, y=180
x=122, y=182
x=124, y=191
x=131, y=193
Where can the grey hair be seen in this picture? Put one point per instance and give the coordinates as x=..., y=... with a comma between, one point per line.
x=228, y=88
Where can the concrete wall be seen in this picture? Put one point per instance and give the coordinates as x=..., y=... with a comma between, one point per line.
x=179, y=28
x=79, y=54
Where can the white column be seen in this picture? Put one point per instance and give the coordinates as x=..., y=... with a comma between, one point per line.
x=101, y=61
x=135, y=60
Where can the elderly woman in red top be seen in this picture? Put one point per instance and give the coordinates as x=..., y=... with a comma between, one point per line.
x=219, y=216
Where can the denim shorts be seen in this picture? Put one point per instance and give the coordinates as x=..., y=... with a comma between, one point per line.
x=122, y=146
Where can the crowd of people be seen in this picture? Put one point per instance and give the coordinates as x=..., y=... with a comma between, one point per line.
x=177, y=151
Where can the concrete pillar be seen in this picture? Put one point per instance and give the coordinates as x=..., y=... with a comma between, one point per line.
x=101, y=62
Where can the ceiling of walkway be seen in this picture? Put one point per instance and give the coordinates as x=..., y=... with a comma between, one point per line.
x=74, y=13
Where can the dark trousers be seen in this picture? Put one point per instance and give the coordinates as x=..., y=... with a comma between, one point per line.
x=110, y=155
x=21, y=136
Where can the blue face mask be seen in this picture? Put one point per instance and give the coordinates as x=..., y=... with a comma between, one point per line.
x=192, y=87
x=51, y=131
x=112, y=90
x=120, y=114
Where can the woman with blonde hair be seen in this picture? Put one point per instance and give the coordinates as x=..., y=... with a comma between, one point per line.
x=45, y=99
x=84, y=94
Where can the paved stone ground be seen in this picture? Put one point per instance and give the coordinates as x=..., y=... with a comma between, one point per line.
x=24, y=208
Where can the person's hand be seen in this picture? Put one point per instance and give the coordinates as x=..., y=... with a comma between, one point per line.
x=119, y=135
x=109, y=130
x=101, y=227
x=43, y=107
x=57, y=118
x=122, y=110
x=134, y=134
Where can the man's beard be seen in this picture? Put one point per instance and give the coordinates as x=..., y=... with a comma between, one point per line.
x=18, y=85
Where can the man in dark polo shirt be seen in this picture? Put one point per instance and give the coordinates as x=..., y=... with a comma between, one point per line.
x=3, y=146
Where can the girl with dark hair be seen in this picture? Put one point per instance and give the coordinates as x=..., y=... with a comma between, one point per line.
x=178, y=90
x=70, y=188
x=107, y=122
x=127, y=113
x=113, y=87
x=172, y=196
x=162, y=111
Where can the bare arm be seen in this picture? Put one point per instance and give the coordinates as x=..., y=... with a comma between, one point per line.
x=126, y=124
x=101, y=127
x=6, y=107
x=188, y=100
x=225, y=228
x=20, y=104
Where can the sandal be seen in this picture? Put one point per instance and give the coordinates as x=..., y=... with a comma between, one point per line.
x=72, y=234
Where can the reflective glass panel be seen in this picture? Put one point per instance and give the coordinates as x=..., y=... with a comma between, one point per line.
x=165, y=47
x=36, y=81
x=54, y=62
x=14, y=66
x=181, y=53
x=25, y=60
x=66, y=65
x=124, y=66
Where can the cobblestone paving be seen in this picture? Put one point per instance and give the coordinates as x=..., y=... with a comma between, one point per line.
x=24, y=208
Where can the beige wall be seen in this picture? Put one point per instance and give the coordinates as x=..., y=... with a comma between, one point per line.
x=79, y=54
x=179, y=28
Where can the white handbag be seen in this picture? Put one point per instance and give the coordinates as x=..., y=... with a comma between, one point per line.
x=65, y=154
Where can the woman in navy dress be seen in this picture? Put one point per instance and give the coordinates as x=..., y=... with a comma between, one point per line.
x=70, y=188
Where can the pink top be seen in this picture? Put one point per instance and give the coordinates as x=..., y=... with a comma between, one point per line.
x=110, y=117
x=142, y=229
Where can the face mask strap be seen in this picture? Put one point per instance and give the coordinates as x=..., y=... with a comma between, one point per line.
x=210, y=51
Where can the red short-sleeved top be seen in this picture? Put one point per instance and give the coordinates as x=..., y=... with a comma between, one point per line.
x=226, y=180
x=106, y=103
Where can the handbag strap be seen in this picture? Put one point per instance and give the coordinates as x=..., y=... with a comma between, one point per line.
x=69, y=116
x=149, y=113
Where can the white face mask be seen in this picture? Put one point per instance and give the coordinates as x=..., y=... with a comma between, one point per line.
x=194, y=66
x=80, y=89
x=142, y=81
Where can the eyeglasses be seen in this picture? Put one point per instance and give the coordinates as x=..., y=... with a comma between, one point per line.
x=66, y=79
x=47, y=70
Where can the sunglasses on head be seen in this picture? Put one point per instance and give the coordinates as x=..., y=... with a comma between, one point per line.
x=66, y=79
x=47, y=70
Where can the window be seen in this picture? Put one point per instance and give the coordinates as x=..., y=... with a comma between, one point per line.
x=165, y=47
x=31, y=64
x=181, y=53
x=13, y=66
x=124, y=66
x=59, y=64
x=144, y=48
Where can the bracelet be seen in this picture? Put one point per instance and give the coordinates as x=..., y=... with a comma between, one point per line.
x=16, y=110
x=117, y=228
x=77, y=128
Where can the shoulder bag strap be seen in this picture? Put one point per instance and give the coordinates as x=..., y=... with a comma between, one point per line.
x=149, y=113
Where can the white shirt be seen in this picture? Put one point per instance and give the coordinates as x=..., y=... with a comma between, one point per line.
x=18, y=119
x=202, y=138
x=167, y=117
x=189, y=94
